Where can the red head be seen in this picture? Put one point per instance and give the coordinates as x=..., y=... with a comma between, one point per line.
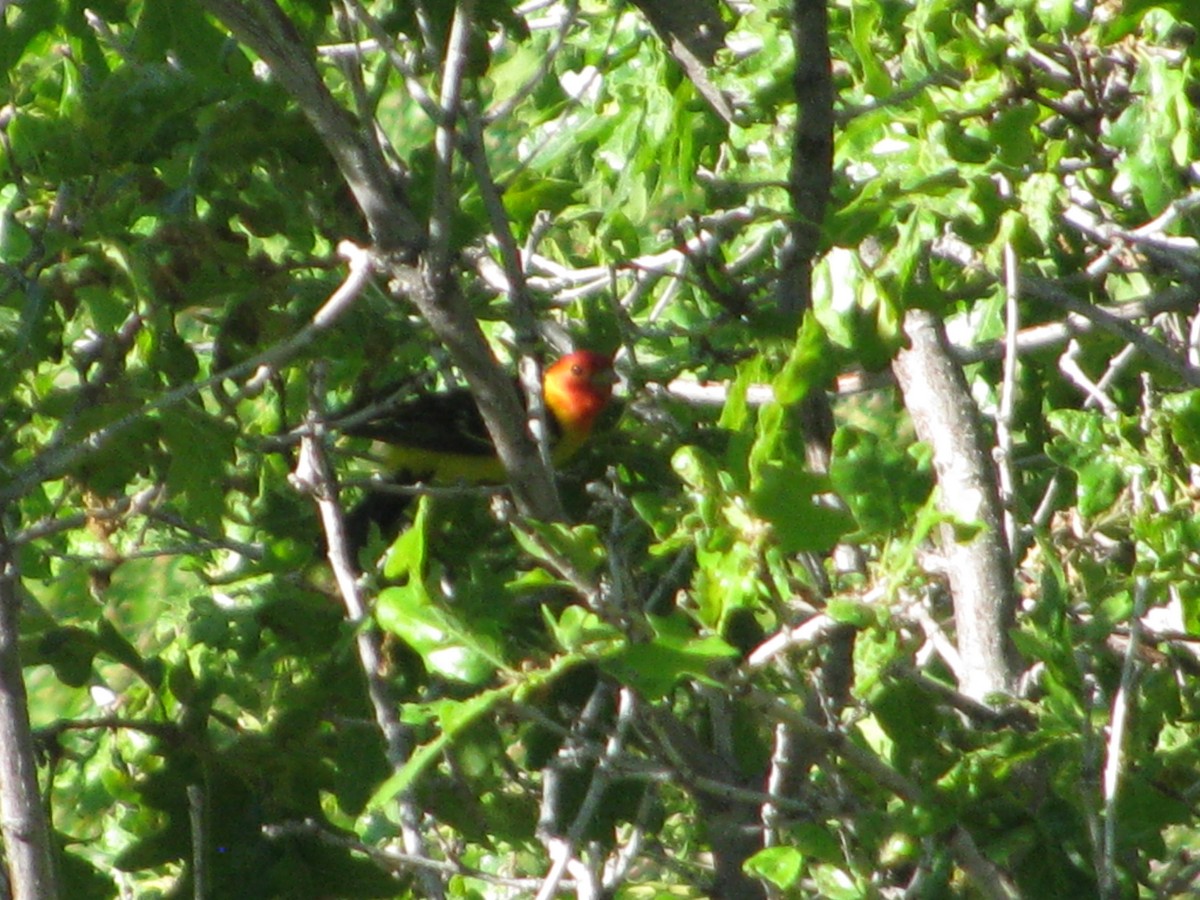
x=577, y=388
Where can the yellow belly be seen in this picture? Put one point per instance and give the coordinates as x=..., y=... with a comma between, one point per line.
x=440, y=467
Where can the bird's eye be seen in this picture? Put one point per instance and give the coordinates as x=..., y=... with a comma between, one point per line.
x=577, y=370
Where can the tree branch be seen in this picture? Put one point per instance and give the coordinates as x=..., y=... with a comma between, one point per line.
x=693, y=33
x=263, y=27
x=986, y=877
x=28, y=849
x=314, y=476
x=979, y=568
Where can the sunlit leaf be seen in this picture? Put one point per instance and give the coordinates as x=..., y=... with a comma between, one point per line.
x=779, y=865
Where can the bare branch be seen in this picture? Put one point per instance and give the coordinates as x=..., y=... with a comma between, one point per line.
x=314, y=476
x=396, y=861
x=1124, y=702
x=693, y=33
x=1068, y=364
x=563, y=849
x=1005, y=471
x=811, y=633
x=445, y=141
x=979, y=568
x=505, y=109
x=28, y=849
x=1103, y=318
x=197, y=798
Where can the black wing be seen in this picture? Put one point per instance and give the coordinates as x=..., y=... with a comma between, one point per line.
x=443, y=423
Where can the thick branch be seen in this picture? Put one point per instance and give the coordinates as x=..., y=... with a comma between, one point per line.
x=264, y=28
x=980, y=572
x=23, y=822
x=812, y=150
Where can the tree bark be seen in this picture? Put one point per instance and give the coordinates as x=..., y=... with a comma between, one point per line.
x=811, y=177
x=979, y=567
x=23, y=822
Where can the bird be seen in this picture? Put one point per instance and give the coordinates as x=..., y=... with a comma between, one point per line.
x=440, y=437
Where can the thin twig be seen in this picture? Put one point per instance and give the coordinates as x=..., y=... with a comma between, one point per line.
x=314, y=476
x=393, y=860
x=502, y=111
x=783, y=753
x=810, y=633
x=167, y=731
x=1046, y=290
x=1124, y=700
x=116, y=509
x=381, y=38
x=1068, y=364
x=445, y=141
x=563, y=849
x=1003, y=452
x=994, y=884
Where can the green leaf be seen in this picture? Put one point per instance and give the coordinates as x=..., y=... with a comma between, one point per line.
x=808, y=366
x=106, y=307
x=15, y=242
x=1189, y=599
x=183, y=32
x=852, y=612
x=577, y=547
x=406, y=557
x=701, y=475
x=1184, y=421
x=577, y=629
x=1056, y=15
x=864, y=23
x=447, y=645
x=530, y=196
x=454, y=717
x=966, y=147
x=726, y=578
x=200, y=449
x=879, y=481
x=69, y=651
x=111, y=642
x=1013, y=133
x=782, y=494
x=781, y=866
x=815, y=841
x=736, y=411
x=1083, y=446
x=675, y=653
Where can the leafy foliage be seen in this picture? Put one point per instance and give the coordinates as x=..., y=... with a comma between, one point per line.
x=634, y=683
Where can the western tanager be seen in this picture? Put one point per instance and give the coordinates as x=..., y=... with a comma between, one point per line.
x=440, y=438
